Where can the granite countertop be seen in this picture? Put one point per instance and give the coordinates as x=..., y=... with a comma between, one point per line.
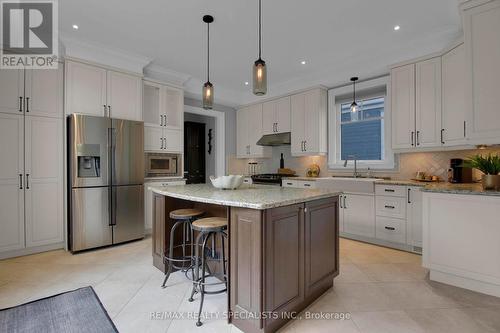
x=247, y=196
x=475, y=189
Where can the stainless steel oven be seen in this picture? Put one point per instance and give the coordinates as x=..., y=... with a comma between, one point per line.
x=162, y=165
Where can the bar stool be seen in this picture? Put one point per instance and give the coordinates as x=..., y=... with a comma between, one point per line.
x=208, y=227
x=184, y=218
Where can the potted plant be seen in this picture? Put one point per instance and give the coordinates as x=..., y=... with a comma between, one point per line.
x=490, y=166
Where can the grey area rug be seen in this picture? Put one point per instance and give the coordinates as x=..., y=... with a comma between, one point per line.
x=73, y=311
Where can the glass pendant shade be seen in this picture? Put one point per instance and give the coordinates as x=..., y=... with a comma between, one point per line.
x=354, y=107
x=259, y=77
x=208, y=95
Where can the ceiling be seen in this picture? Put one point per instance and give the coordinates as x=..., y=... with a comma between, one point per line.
x=337, y=38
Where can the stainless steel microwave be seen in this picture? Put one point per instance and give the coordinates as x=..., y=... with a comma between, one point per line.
x=162, y=165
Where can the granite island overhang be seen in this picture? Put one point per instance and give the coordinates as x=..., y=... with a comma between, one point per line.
x=283, y=250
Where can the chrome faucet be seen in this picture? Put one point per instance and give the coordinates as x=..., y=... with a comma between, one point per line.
x=355, y=159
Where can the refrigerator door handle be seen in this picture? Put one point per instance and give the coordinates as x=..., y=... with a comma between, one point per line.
x=113, y=205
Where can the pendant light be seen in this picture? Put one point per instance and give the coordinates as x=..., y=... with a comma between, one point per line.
x=208, y=88
x=354, y=105
x=259, y=68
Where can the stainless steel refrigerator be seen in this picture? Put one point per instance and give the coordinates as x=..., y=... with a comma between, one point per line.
x=106, y=177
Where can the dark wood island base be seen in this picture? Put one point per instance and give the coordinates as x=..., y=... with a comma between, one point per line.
x=280, y=259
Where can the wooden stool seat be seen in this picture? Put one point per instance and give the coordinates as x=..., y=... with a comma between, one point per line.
x=186, y=213
x=210, y=224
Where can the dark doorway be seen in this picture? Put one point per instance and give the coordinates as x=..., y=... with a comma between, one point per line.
x=194, y=152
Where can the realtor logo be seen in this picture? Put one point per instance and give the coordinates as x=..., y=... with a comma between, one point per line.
x=29, y=34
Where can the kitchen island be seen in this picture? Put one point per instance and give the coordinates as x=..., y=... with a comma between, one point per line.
x=283, y=246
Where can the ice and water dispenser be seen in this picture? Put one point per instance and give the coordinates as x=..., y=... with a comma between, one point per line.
x=89, y=160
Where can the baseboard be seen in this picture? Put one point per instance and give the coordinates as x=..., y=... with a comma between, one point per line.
x=148, y=231
x=31, y=250
x=375, y=241
x=458, y=281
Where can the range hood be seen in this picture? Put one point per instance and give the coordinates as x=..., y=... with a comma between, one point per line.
x=279, y=139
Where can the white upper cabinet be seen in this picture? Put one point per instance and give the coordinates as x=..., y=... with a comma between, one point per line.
x=96, y=91
x=44, y=181
x=85, y=89
x=44, y=92
x=11, y=182
x=403, y=106
x=454, y=105
x=11, y=91
x=124, y=96
x=276, y=116
x=428, y=103
x=482, y=43
x=249, y=131
x=308, y=123
x=163, y=110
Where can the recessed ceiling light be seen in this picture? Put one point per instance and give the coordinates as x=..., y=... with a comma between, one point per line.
x=303, y=62
x=75, y=27
x=246, y=83
x=397, y=27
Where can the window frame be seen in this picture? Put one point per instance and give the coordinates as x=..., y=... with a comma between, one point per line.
x=365, y=90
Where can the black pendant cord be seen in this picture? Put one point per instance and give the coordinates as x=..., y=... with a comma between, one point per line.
x=260, y=28
x=354, y=95
x=208, y=52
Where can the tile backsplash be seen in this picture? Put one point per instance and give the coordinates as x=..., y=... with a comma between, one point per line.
x=435, y=163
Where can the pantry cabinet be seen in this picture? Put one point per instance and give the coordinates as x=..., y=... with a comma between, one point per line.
x=249, y=131
x=481, y=21
x=309, y=123
x=276, y=116
x=98, y=91
x=11, y=90
x=454, y=102
x=31, y=178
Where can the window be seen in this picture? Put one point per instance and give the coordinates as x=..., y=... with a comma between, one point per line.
x=364, y=135
x=361, y=132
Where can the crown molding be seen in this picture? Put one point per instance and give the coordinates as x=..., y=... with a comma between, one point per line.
x=165, y=75
x=104, y=55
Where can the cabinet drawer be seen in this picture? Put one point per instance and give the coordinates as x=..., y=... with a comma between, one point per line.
x=390, y=229
x=391, y=190
x=390, y=206
x=299, y=183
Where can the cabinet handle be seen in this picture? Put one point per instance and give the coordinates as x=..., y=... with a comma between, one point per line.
x=390, y=228
x=164, y=120
x=418, y=138
x=27, y=104
x=409, y=192
x=20, y=181
x=20, y=104
x=345, y=205
x=109, y=110
x=307, y=185
x=389, y=190
x=290, y=184
x=412, y=135
x=442, y=136
x=161, y=142
x=305, y=142
x=161, y=120
x=105, y=110
x=389, y=207
x=340, y=202
x=465, y=127
x=276, y=127
x=27, y=181
x=164, y=143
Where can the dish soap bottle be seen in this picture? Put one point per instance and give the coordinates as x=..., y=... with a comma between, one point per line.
x=282, y=162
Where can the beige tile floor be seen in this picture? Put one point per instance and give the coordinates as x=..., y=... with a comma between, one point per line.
x=382, y=290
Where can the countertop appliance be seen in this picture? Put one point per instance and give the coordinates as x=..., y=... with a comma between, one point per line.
x=270, y=178
x=105, y=181
x=459, y=173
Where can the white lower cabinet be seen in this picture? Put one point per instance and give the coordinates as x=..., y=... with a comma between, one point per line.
x=357, y=214
x=148, y=199
x=414, y=216
x=31, y=182
x=11, y=182
x=43, y=181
